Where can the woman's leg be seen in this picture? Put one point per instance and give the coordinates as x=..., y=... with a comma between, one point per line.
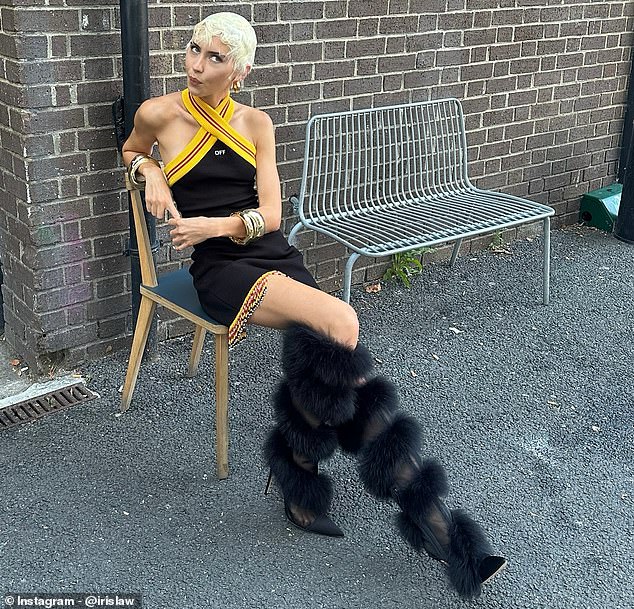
x=326, y=399
x=289, y=302
x=322, y=365
x=387, y=443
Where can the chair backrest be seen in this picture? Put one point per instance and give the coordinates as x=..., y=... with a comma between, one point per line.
x=377, y=158
x=148, y=270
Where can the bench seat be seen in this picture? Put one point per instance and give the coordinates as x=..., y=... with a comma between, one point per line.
x=388, y=180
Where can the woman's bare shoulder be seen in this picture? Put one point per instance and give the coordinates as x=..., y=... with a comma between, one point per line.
x=254, y=117
x=156, y=111
x=259, y=124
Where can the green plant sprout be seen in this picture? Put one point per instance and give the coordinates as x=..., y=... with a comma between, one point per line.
x=497, y=241
x=406, y=264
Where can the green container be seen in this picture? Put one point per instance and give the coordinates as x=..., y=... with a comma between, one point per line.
x=601, y=207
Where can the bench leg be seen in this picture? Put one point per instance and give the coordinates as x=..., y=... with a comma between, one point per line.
x=454, y=254
x=293, y=234
x=347, y=277
x=222, y=403
x=546, y=260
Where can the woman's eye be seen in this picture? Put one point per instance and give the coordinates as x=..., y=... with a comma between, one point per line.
x=215, y=59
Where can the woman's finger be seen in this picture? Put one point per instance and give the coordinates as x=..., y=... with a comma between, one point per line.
x=171, y=208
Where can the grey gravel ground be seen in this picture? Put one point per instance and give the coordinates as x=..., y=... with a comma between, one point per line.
x=529, y=407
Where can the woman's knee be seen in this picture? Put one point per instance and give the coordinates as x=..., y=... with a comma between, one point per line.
x=344, y=325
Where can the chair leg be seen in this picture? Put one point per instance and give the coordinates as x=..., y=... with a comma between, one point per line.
x=222, y=403
x=197, y=348
x=141, y=332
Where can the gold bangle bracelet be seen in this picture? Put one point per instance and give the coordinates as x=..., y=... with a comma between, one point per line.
x=141, y=158
x=249, y=223
x=247, y=229
x=136, y=162
x=258, y=221
x=254, y=226
x=134, y=167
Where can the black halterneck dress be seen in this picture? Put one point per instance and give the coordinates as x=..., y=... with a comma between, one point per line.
x=213, y=176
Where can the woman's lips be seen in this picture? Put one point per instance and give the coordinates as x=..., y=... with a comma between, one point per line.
x=193, y=81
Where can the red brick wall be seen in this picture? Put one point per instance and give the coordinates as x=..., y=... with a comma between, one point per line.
x=543, y=84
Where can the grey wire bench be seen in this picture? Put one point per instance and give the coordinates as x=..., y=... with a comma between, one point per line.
x=392, y=179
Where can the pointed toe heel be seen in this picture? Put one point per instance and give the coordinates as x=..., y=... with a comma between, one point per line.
x=490, y=566
x=322, y=525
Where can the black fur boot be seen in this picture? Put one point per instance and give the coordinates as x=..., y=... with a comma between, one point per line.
x=303, y=487
x=388, y=445
x=317, y=393
x=322, y=375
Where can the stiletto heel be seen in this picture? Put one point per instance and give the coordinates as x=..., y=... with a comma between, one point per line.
x=268, y=483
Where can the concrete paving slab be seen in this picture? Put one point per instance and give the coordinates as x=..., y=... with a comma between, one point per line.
x=11, y=381
x=38, y=388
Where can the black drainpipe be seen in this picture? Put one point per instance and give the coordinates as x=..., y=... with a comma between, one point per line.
x=624, y=224
x=136, y=89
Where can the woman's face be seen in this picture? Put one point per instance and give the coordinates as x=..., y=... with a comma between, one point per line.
x=209, y=69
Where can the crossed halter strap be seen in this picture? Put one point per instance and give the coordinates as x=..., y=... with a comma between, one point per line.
x=214, y=126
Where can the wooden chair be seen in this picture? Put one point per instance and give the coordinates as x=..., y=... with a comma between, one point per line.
x=175, y=291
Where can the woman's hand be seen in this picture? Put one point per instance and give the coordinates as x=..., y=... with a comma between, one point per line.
x=190, y=231
x=158, y=196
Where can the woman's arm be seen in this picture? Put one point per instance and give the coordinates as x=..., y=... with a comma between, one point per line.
x=147, y=123
x=267, y=177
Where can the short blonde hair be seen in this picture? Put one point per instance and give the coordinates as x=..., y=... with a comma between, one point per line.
x=234, y=31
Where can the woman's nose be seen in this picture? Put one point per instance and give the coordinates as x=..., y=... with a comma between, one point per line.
x=198, y=63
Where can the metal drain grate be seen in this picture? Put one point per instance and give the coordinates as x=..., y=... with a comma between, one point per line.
x=39, y=406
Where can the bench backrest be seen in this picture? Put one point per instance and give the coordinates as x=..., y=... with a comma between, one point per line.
x=381, y=157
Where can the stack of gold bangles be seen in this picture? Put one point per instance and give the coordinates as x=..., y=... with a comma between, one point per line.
x=253, y=225
x=136, y=162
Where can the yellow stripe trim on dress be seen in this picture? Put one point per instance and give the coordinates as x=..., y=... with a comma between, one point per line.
x=211, y=120
x=189, y=157
x=251, y=302
x=196, y=149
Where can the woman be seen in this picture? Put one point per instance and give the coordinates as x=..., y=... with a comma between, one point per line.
x=244, y=270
